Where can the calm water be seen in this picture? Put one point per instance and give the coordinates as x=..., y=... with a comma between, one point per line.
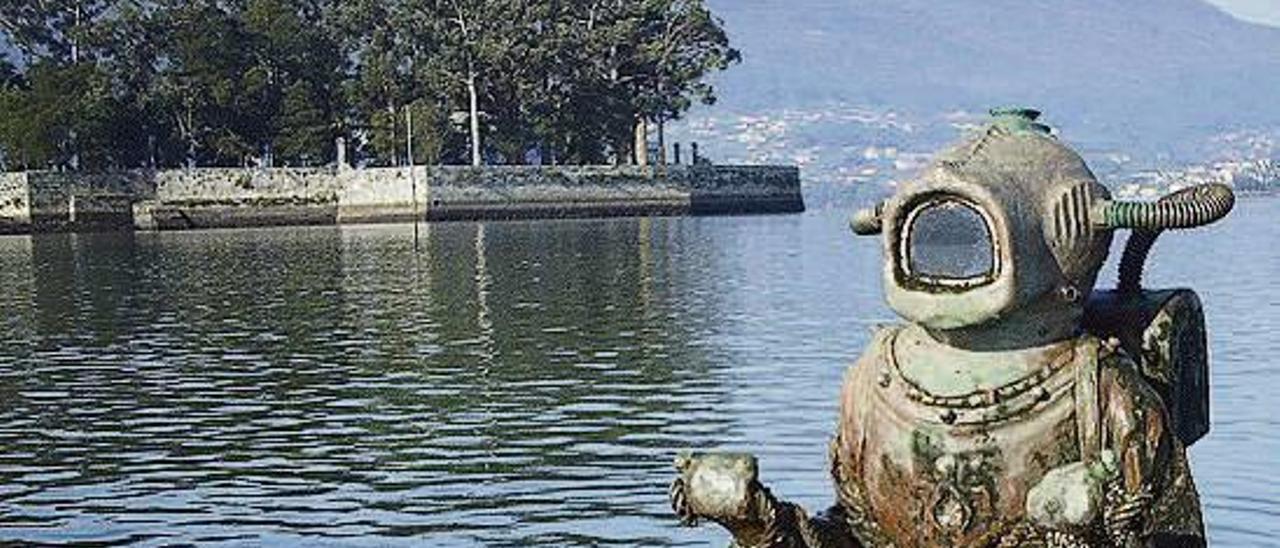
x=509, y=384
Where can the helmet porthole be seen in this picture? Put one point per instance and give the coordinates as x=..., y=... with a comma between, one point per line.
x=947, y=242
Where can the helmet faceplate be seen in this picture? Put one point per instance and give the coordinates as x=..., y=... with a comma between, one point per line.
x=995, y=224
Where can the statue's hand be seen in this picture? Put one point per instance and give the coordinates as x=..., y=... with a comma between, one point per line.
x=725, y=488
x=722, y=487
x=1070, y=498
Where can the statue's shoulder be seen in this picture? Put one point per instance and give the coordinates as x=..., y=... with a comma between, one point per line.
x=878, y=349
x=862, y=377
x=882, y=337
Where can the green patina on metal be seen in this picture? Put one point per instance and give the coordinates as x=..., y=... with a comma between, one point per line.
x=1018, y=120
x=958, y=428
x=926, y=444
x=947, y=371
x=1186, y=208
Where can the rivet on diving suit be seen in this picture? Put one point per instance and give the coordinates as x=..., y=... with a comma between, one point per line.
x=1017, y=405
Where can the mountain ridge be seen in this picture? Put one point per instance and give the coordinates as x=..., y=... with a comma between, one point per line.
x=1155, y=74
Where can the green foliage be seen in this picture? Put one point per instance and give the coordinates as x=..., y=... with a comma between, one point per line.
x=378, y=86
x=305, y=136
x=64, y=31
x=64, y=116
x=430, y=132
x=294, y=73
x=125, y=83
x=213, y=90
x=8, y=74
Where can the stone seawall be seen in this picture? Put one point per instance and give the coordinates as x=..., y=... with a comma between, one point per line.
x=218, y=197
x=453, y=193
x=15, y=200
x=85, y=201
x=215, y=197
x=43, y=201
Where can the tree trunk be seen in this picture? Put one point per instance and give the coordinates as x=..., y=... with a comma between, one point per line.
x=408, y=137
x=662, y=142
x=75, y=60
x=475, y=119
x=641, y=147
x=75, y=43
x=393, y=117
x=186, y=126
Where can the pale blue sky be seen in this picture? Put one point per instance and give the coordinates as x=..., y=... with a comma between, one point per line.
x=1258, y=11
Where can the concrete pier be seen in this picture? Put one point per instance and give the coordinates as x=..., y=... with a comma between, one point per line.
x=222, y=197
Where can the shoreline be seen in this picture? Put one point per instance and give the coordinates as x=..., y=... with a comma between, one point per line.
x=43, y=201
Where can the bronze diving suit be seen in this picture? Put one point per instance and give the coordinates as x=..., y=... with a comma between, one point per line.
x=1017, y=406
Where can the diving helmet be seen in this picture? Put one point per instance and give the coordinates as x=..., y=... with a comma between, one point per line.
x=1006, y=227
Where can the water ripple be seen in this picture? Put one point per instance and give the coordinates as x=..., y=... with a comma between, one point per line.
x=509, y=384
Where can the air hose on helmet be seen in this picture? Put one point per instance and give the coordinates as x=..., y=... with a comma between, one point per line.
x=1187, y=208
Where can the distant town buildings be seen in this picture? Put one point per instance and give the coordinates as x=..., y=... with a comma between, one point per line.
x=1244, y=175
x=842, y=146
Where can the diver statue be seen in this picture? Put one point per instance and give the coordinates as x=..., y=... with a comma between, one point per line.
x=1017, y=406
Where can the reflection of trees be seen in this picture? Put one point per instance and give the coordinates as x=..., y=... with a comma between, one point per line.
x=82, y=283
x=552, y=372
x=17, y=335
x=74, y=302
x=170, y=361
x=20, y=269
x=539, y=371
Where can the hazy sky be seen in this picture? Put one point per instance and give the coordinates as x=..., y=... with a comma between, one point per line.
x=1258, y=11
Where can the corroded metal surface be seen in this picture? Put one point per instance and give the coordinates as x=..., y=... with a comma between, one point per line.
x=1164, y=332
x=1016, y=407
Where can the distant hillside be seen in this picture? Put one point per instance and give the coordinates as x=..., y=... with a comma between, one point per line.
x=1139, y=69
x=1148, y=78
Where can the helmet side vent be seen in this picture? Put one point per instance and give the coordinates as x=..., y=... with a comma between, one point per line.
x=1071, y=226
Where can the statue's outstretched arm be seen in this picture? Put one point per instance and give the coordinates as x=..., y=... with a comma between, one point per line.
x=725, y=488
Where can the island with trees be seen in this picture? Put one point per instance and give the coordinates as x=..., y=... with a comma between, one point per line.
x=128, y=98
x=117, y=84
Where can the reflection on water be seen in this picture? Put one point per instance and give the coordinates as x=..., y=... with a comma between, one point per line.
x=509, y=383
